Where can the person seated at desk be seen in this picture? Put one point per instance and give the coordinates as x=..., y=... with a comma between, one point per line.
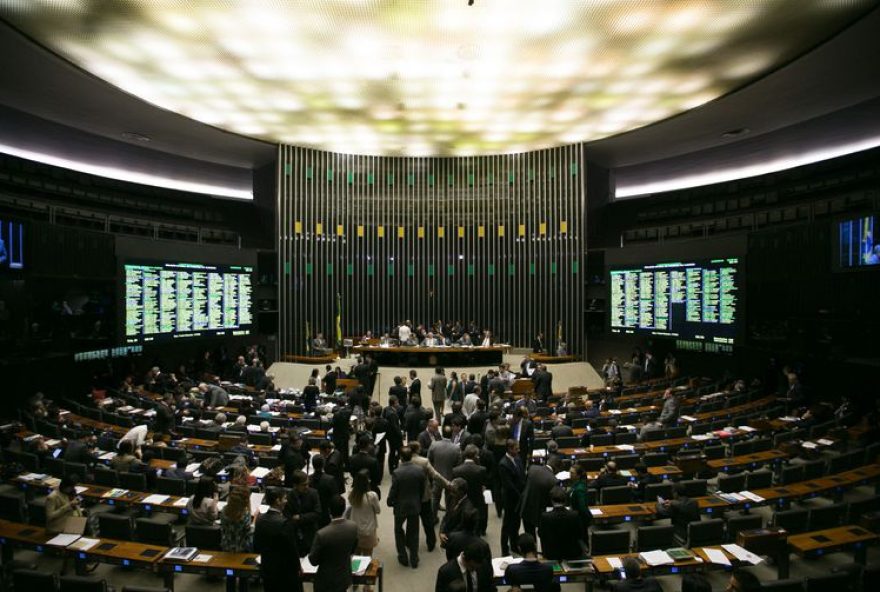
x=681, y=510
x=742, y=581
x=486, y=340
x=242, y=449
x=560, y=530
x=127, y=458
x=366, y=338
x=239, y=425
x=179, y=470
x=202, y=507
x=465, y=340
x=590, y=411
x=469, y=565
x=319, y=345
x=62, y=504
x=213, y=395
x=80, y=450
x=530, y=571
x=634, y=581
x=609, y=477
x=387, y=341
x=432, y=341
x=643, y=478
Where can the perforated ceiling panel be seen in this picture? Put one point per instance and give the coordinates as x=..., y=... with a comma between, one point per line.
x=430, y=77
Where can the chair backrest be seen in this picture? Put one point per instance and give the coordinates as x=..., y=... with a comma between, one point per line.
x=608, y=542
x=75, y=469
x=115, y=526
x=665, y=490
x=31, y=579
x=53, y=466
x=28, y=460
x=37, y=511
x=715, y=452
x=626, y=461
x=83, y=584
x=260, y=438
x=12, y=506
x=762, y=444
x=569, y=442
x=814, y=469
x=167, y=486
x=759, y=479
x=677, y=432
x=735, y=524
x=741, y=448
x=144, y=589
x=856, y=509
x=592, y=465
x=791, y=474
x=203, y=537
x=791, y=585
x=626, y=438
x=651, y=538
x=827, y=516
x=106, y=477
x=136, y=481
x=615, y=495
x=705, y=532
x=172, y=453
x=656, y=459
x=794, y=521
x=601, y=439
x=154, y=532
x=839, y=582
x=694, y=487
x=731, y=483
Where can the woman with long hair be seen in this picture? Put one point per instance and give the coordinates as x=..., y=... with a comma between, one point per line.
x=454, y=389
x=236, y=518
x=202, y=507
x=578, y=496
x=364, y=509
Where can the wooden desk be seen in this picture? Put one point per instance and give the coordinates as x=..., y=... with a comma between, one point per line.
x=833, y=540
x=116, y=552
x=746, y=460
x=410, y=356
x=602, y=567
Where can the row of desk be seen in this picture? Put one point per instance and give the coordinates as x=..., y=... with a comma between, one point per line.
x=236, y=568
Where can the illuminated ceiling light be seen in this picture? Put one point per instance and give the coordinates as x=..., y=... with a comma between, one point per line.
x=297, y=69
x=734, y=173
x=127, y=175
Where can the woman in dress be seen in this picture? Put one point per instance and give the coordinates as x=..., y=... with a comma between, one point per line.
x=454, y=389
x=236, y=535
x=363, y=510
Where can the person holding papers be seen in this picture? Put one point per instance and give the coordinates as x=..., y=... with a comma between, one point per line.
x=62, y=504
x=681, y=511
x=275, y=539
x=634, y=581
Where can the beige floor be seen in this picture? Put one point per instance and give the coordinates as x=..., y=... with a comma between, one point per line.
x=288, y=375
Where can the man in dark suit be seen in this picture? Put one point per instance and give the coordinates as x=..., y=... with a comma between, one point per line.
x=275, y=540
x=523, y=431
x=415, y=384
x=539, y=346
x=332, y=550
x=609, y=477
x=562, y=536
x=530, y=571
x=467, y=572
x=364, y=459
x=650, y=366
x=513, y=481
x=429, y=435
x=394, y=433
x=304, y=510
x=329, y=380
x=540, y=480
x=681, y=511
x=342, y=432
x=405, y=496
x=81, y=450
x=543, y=381
x=178, y=471
x=399, y=391
x=326, y=487
x=477, y=478
x=459, y=539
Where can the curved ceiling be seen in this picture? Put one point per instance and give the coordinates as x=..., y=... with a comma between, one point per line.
x=430, y=77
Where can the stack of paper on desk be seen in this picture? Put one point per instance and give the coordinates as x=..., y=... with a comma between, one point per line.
x=654, y=558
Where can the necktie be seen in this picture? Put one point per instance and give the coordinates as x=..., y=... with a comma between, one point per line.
x=469, y=577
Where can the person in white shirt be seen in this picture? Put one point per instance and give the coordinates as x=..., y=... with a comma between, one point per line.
x=138, y=436
x=469, y=405
x=404, y=333
x=487, y=339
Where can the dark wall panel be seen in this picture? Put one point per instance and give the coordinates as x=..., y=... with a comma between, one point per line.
x=498, y=240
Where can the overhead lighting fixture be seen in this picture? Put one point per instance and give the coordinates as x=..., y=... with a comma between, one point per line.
x=744, y=172
x=127, y=175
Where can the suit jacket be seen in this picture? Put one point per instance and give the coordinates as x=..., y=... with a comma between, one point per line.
x=275, y=540
x=460, y=539
x=426, y=439
x=538, y=346
x=561, y=534
x=438, y=388
x=445, y=456
x=331, y=552
x=326, y=487
x=78, y=452
x=400, y=392
x=415, y=387
x=450, y=572
x=407, y=489
x=535, y=573
x=536, y=494
x=477, y=477
x=333, y=466
x=513, y=480
x=543, y=384
x=526, y=436
x=364, y=460
x=639, y=585
x=307, y=506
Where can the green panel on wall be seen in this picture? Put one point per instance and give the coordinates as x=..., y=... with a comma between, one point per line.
x=531, y=269
x=410, y=269
x=450, y=270
x=371, y=269
x=330, y=174
x=511, y=269
x=310, y=172
x=575, y=267
x=308, y=269
x=287, y=268
x=511, y=176
x=329, y=269
x=431, y=179
x=491, y=269
x=574, y=168
x=450, y=179
x=470, y=269
x=389, y=179
x=390, y=269
x=490, y=178
x=371, y=178
x=430, y=270
x=349, y=177
x=349, y=269
x=553, y=268
x=410, y=179
x=470, y=178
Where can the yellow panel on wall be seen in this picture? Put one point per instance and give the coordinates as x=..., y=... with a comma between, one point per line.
x=501, y=230
x=421, y=232
x=481, y=231
x=340, y=231
x=380, y=231
x=542, y=228
x=522, y=229
x=461, y=232
x=319, y=228
x=441, y=232
x=400, y=232
x=298, y=227
x=360, y=231
x=563, y=227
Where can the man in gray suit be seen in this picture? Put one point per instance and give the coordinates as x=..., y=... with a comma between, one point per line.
x=444, y=455
x=332, y=550
x=437, y=386
x=405, y=496
x=540, y=480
